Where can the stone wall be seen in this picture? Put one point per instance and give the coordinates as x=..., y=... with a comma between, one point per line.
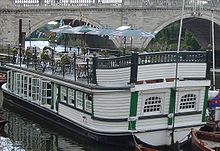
x=153, y=20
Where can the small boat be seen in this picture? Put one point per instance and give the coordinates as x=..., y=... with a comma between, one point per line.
x=208, y=137
x=205, y=141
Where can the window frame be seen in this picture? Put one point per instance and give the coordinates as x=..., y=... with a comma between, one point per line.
x=181, y=94
x=150, y=95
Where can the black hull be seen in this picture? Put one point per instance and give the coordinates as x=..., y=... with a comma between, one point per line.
x=57, y=121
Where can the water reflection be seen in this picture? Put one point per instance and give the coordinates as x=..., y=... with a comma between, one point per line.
x=39, y=137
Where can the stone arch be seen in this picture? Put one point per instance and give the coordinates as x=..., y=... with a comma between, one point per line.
x=202, y=36
x=44, y=21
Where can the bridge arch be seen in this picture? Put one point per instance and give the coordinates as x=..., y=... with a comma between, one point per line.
x=92, y=17
x=190, y=22
x=43, y=22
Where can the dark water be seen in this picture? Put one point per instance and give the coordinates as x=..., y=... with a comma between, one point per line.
x=37, y=136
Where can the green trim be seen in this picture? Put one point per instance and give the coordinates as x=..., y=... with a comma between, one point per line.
x=133, y=110
x=92, y=105
x=52, y=95
x=83, y=101
x=132, y=125
x=172, y=103
x=205, y=104
x=74, y=98
x=58, y=97
x=67, y=95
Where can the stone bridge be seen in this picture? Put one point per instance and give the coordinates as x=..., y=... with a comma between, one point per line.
x=151, y=15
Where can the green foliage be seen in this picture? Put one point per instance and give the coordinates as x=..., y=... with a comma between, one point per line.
x=14, y=50
x=167, y=39
x=45, y=56
x=28, y=53
x=47, y=48
x=84, y=50
x=104, y=53
x=65, y=59
x=189, y=42
x=39, y=39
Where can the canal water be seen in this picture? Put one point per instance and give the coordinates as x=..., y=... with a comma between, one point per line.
x=34, y=135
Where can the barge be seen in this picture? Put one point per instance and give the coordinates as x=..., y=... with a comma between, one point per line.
x=123, y=101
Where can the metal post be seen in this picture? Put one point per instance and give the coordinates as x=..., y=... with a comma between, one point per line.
x=20, y=31
x=65, y=42
x=94, y=67
x=74, y=64
x=124, y=49
x=8, y=53
x=78, y=50
x=20, y=47
x=35, y=57
x=213, y=51
x=134, y=68
x=87, y=70
x=30, y=32
x=53, y=51
x=176, y=75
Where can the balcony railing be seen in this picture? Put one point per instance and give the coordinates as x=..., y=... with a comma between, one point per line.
x=85, y=71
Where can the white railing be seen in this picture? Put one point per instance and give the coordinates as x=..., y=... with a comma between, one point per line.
x=194, y=5
x=26, y=3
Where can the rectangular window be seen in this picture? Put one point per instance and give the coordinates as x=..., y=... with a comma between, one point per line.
x=25, y=86
x=88, y=103
x=30, y=86
x=64, y=94
x=17, y=83
x=79, y=100
x=46, y=93
x=71, y=96
x=9, y=80
x=35, y=89
x=21, y=85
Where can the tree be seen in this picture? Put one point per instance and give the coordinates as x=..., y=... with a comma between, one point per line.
x=45, y=58
x=28, y=55
x=14, y=52
x=65, y=60
x=190, y=42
